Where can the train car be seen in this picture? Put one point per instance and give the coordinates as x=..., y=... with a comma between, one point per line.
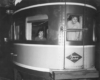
x=54, y=39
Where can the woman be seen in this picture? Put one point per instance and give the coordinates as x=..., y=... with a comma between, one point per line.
x=73, y=23
x=40, y=36
x=74, y=34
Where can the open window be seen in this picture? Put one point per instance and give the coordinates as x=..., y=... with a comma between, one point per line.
x=74, y=28
x=36, y=27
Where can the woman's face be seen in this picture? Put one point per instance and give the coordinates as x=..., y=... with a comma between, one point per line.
x=74, y=20
x=41, y=34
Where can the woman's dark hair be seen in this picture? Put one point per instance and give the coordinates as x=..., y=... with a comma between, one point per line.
x=72, y=16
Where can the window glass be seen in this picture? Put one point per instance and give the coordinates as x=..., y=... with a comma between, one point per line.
x=11, y=32
x=74, y=28
x=74, y=35
x=16, y=32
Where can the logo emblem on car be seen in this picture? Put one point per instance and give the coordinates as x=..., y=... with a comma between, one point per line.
x=74, y=57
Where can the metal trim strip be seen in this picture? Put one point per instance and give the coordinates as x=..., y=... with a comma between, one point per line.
x=55, y=3
x=31, y=67
x=36, y=45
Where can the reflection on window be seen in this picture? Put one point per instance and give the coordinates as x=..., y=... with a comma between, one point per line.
x=11, y=32
x=16, y=32
x=94, y=37
x=74, y=36
x=37, y=28
x=74, y=28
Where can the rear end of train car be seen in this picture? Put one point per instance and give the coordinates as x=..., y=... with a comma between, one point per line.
x=54, y=39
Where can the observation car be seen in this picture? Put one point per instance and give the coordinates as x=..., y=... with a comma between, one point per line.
x=54, y=39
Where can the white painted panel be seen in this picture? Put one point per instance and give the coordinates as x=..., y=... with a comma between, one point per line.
x=89, y=55
x=41, y=56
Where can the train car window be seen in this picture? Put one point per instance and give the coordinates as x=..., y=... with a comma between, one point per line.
x=11, y=32
x=16, y=32
x=36, y=28
x=74, y=28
